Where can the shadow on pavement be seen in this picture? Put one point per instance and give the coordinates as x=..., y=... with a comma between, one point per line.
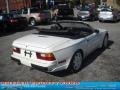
x=87, y=61
x=111, y=22
x=21, y=29
x=12, y=31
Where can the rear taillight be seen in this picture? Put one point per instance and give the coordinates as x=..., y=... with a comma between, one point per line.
x=45, y=56
x=15, y=49
x=88, y=14
x=13, y=20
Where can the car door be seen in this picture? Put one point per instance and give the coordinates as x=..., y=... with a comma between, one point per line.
x=25, y=13
x=92, y=42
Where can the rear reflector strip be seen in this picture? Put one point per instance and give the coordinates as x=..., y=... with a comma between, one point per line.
x=63, y=61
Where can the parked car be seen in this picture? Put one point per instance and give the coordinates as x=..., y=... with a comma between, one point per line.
x=12, y=21
x=15, y=12
x=63, y=46
x=62, y=11
x=1, y=27
x=107, y=14
x=100, y=7
x=87, y=13
x=35, y=15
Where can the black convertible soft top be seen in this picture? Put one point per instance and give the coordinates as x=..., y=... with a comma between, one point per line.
x=69, y=29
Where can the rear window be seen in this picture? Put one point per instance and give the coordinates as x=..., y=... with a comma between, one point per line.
x=63, y=7
x=14, y=15
x=34, y=10
x=25, y=11
x=110, y=10
x=65, y=10
x=85, y=8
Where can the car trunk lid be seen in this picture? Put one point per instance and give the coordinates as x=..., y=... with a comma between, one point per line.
x=105, y=13
x=40, y=41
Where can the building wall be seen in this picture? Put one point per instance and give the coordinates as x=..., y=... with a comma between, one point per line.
x=18, y=4
x=113, y=3
x=2, y=4
x=15, y=4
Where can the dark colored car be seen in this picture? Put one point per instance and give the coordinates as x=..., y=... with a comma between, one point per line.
x=87, y=13
x=63, y=11
x=11, y=21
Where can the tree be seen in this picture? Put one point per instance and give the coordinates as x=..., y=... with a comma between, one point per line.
x=7, y=6
x=118, y=2
x=82, y=1
x=97, y=2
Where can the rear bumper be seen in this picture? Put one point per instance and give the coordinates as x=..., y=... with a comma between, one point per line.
x=42, y=19
x=17, y=25
x=84, y=17
x=46, y=67
x=106, y=19
x=65, y=17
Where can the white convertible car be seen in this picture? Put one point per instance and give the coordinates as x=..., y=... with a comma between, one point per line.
x=63, y=46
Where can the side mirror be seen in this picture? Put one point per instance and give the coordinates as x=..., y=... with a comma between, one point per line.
x=96, y=31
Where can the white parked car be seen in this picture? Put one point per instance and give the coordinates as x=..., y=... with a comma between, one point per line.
x=35, y=15
x=63, y=46
x=108, y=14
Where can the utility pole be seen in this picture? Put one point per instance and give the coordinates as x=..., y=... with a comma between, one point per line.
x=101, y=2
x=47, y=4
x=7, y=6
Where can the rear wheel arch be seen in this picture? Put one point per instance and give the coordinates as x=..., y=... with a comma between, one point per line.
x=105, y=36
x=81, y=52
x=32, y=18
x=70, y=65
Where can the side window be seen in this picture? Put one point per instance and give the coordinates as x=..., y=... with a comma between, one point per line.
x=34, y=10
x=86, y=31
x=25, y=11
x=20, y=11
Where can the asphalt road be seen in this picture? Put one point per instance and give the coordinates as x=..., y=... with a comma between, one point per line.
x=101, y=65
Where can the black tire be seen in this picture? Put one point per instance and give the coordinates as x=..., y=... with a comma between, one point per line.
x=79, y=18
x=73, y=67
x=92, y=18
x=101, y=21
x=4, y=30
x=115, y=19
x=49, y=21
x=105, y=42
x=32, y=22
